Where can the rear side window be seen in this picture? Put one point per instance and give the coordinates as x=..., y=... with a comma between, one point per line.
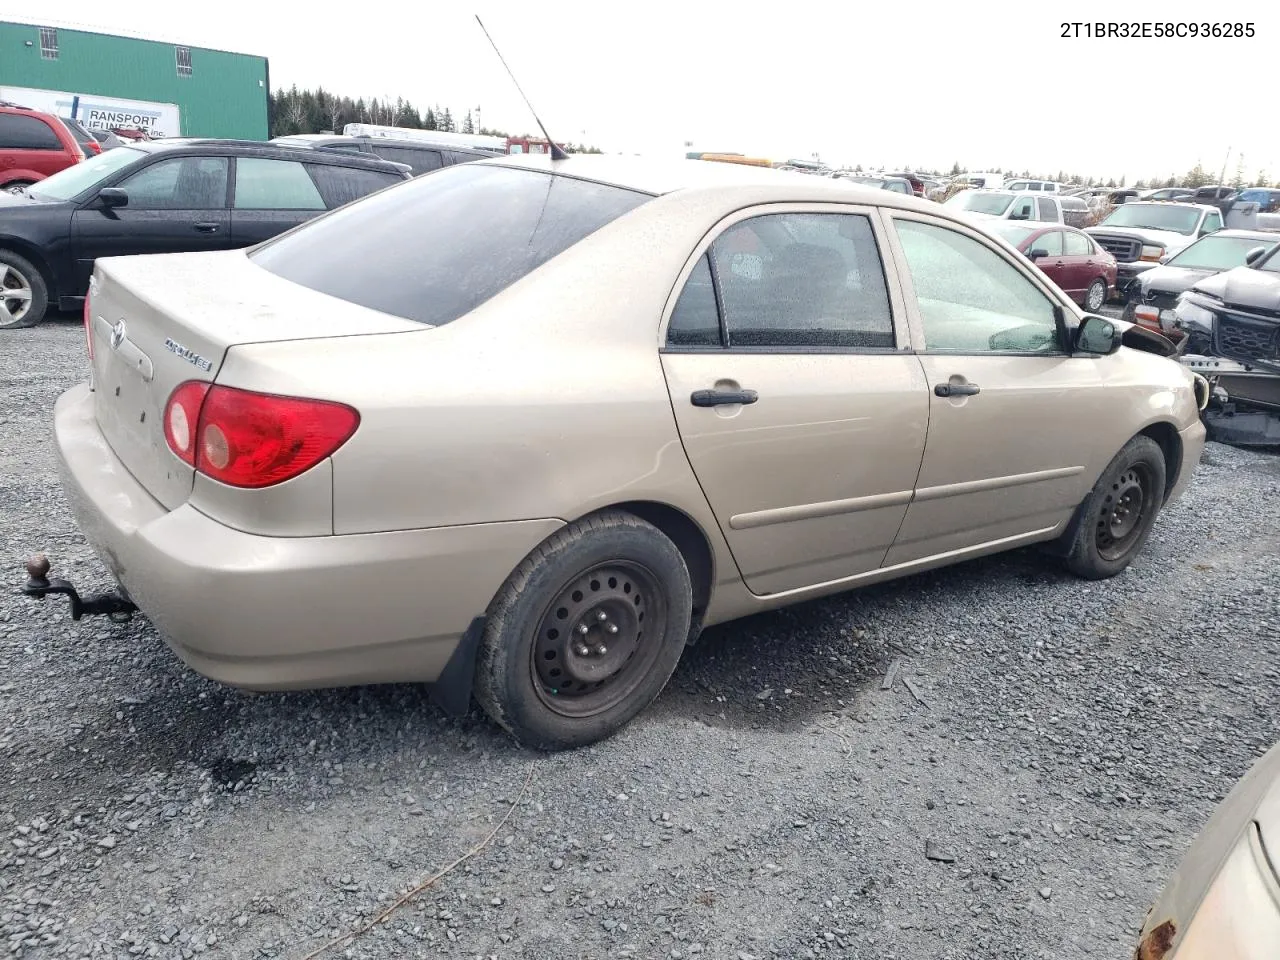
x=1078, y=245
x=275, y=185
x=1047, y=209
x=455, y=157
x=439, y=246
x=422, y=161
x=339, y=185
x=18, y=132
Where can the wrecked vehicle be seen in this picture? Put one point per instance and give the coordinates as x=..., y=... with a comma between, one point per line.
x=1223, y=903
x=1158, y=289
x=1231, y=323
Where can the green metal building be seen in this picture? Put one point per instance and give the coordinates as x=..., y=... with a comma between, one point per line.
x=123, y=81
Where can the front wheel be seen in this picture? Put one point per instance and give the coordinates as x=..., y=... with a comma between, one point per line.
x=1096, y=295
x=585, y=633
x=23, y=294
x=1120, y=511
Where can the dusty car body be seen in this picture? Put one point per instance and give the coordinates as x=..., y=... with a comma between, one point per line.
x=1223, y=902
x=410, y=468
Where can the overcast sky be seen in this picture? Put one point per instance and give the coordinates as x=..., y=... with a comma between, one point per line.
x=983, y=83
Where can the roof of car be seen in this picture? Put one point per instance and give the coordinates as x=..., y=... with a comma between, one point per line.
x=659, y=175
x=251, y=148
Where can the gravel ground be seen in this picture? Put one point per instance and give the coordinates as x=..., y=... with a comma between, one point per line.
x=1067, y=742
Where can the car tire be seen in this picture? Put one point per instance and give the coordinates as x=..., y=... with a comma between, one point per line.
x=1096, y=295
x=1117, y=517
x=24, y=297
x=585, y=633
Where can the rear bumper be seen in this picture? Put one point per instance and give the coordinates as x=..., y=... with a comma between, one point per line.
x=277, y=613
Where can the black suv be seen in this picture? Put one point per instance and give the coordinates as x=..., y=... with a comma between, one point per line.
x=168, y=196
x=422, y=156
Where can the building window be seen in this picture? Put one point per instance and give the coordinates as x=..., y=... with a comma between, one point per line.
x=184, y=61
x=49, y=43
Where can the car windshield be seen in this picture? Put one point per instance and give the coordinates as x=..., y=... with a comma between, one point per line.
x=978, y=201
x=1154, y=216
x=1217, y=253
x=435, y=248
x=1012, y=232
x=79, y=177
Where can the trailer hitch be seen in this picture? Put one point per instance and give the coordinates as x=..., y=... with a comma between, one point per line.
x=38, y=586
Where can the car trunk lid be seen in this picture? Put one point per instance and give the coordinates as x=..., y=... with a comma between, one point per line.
x=157, y=321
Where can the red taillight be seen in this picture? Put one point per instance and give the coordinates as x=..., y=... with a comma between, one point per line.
x=247, y=439
x=182, y=417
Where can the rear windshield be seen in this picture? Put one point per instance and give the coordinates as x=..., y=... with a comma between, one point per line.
x=435, y=248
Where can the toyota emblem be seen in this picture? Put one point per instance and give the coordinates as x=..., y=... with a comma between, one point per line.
x=117, y=335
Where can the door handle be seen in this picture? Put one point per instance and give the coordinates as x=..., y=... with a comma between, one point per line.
x=956, y=389
x=207, y=227
x=717, y=398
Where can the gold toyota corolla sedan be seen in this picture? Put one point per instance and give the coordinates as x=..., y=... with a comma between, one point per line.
x=523, y=427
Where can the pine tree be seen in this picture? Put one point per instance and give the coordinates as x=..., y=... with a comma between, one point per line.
x=1238, y=180
x=1196, y=176
x=1122, y=182
x=955, y=169
x=445, y=121
x=1262, y=180
x=468, y=125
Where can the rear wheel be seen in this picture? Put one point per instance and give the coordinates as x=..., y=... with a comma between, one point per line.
x=23, y=294
x=1096, y=295
x=1120, y=511
x=585, y=633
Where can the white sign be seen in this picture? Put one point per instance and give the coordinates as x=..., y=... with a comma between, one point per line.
x=101, y=113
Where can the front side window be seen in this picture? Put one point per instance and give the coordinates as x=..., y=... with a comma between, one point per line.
x=803, y=280
x=19, y=132
x=1212, y=223
x=971, y=299
x=437, y=247
x=1023, y=209
x=1050, y=242
x=275, y=185
x=183, y=183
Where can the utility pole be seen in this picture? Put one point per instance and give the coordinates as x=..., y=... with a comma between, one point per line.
x=1222, y=178
x=479, y=125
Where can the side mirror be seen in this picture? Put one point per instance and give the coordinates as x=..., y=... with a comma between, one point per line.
x=1254, y=255
x=1097, y=335
x=112, y=197
x=1037, y=253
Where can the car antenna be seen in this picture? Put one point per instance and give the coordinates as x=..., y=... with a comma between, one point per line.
x=556, y=152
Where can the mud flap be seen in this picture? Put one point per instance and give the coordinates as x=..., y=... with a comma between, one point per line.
x=452, y=689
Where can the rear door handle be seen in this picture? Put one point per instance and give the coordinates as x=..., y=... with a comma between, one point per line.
x=718, y=398
x=956, y=389
x=207, y=227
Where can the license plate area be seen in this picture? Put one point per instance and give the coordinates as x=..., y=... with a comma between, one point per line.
x=123, y=381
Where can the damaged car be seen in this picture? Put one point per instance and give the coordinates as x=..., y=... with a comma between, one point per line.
x=1141, y=234
x=1231, y=327
x=521, y=428
x=1153, y=297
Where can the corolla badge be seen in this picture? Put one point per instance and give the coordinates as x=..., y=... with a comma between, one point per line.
x=188, y=355
x=117, y=335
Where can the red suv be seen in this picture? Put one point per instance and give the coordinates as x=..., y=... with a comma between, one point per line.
x=33, y=145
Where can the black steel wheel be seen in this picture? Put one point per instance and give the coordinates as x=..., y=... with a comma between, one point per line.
x=1120, y=511
x=590, y=652
x=1119, y=517
x=585, y=633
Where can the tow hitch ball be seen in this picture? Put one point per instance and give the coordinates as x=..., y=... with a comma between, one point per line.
x=39, y=586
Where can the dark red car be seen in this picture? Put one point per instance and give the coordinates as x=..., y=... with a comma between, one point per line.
x=33, y=145
x=1069, y=257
